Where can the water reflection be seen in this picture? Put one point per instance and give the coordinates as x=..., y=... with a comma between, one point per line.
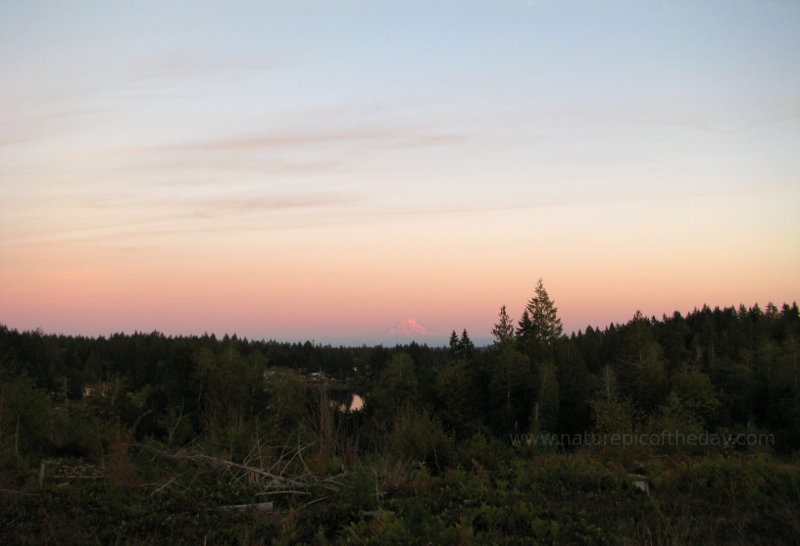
x=356, y=404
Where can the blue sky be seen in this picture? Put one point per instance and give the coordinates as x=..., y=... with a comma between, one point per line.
x=398, y=146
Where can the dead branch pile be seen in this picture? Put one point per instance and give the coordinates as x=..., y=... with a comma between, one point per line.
x=280, y=478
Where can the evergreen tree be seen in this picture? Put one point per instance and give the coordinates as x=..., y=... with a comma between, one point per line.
x=544, y=316
x=461, y=349
x=454, y=345
x=511, y=390
x=611, y=414
x=640, y=364
x=466, y=348
x=539, y=328
x=544, y=415
x=503, y=331
x=397, y=388
x=460, y=397
x=525, y=329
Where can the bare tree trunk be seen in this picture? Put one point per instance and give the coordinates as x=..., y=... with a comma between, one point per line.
x=16, y=439
x=173, y=428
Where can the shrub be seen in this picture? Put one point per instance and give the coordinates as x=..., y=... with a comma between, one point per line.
x=419, y=437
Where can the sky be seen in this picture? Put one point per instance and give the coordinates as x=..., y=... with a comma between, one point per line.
x=323, y=170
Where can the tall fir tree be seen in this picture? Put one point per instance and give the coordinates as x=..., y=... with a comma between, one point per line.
x=453, y=344
x=525, y=329
x=503, y=331
x=465, y=346
x=543, y=313
x=540, y=328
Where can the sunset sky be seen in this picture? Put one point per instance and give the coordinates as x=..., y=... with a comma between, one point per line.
x=308, y=170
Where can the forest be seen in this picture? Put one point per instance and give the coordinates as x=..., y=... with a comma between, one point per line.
x=671, y=430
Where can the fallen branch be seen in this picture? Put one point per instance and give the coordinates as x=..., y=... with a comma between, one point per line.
x=270, y=482
x=277, y=480
x=260, y=506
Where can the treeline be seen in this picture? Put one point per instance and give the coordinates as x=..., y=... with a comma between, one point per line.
x=147, y=438
x=724, y=370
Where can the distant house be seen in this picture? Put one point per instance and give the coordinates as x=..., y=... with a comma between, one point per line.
x=101, y=389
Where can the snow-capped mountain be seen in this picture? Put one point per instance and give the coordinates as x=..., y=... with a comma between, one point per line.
x=410, y=328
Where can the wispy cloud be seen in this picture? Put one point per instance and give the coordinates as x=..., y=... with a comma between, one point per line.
x=371, y=135
x=730, y=117
x=73, y=96
x=221, y=200
x=273, y=203
x=125, y=215
x=188, y=64
x=151, y=165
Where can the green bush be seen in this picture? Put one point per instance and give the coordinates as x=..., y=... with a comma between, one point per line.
x=418, y=437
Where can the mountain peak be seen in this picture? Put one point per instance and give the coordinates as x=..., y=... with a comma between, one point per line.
x=410, y=327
